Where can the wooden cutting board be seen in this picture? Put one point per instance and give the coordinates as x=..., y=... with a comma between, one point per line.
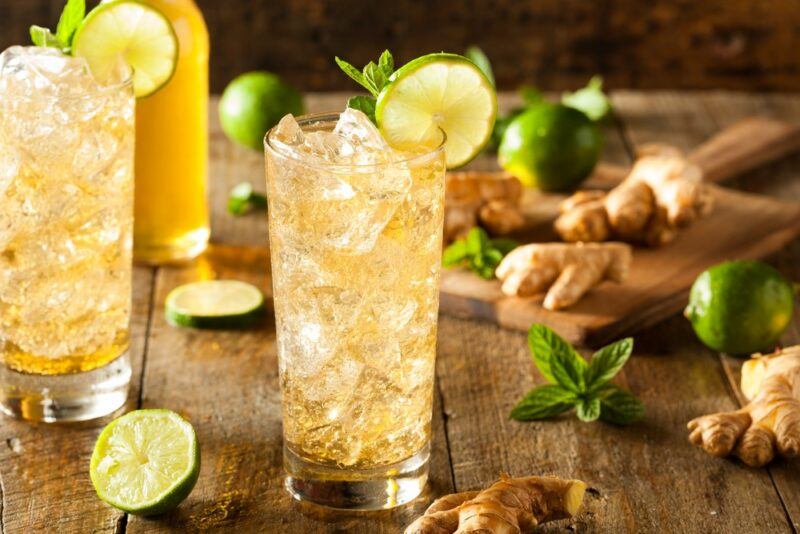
x=742, y=226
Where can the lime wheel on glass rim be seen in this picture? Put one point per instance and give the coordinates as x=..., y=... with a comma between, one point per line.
x=136, y=32
x=435, y=93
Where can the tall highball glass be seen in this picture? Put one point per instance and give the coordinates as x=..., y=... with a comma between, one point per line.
x=66, y=220
x=356, y=238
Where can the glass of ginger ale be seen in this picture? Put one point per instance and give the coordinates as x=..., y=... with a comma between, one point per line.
x=356, y=238
x=66, y=221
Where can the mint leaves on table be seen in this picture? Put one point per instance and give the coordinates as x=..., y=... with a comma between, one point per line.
x=575, y=383
x=591, y=100
x=373, y=77
x=478, y=252
x=71, y=17
x=242, y=199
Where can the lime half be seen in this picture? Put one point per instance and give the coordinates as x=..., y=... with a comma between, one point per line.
x=214, y=304
x=438, y=91
x=134, y=31
x=145, y=462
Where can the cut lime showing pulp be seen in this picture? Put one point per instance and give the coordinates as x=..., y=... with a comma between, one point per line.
x=136, y=32
x=438, y=91
x=214, y=304
x=146, y=462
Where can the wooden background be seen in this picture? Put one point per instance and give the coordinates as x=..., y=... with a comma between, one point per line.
x=554, y=44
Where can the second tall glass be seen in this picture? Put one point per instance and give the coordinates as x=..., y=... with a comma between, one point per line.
x=356, y=253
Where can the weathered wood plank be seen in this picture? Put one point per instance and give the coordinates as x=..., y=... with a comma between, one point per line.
x=645, y=478
x=45, y=468
x=782, y=181
x=226, y=384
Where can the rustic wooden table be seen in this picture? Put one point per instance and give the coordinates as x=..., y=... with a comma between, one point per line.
x=645, y=478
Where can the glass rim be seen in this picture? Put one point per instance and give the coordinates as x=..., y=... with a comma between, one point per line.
x=332, y=117
x=100, y=89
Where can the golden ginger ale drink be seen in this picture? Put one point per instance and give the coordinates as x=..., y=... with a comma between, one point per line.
x=356, y=239
x=66, y=221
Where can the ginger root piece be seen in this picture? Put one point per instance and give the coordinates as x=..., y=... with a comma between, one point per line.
x=511, y=505
x=486, y=199
x=663, y=192
x=769, y=424
x=569, y=270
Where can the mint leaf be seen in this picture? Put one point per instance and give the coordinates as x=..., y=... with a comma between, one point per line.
x=588, y=410
x=590, y=100
x=477, y=252
x=375, y=76
x=242, y=199
x=568, y=369
x=355, y=74
x=71, y=18
x=543, y=402
x=607, y=362
x=477, y=241
x=619, y=406
x=544, y=343
x=477, y=56
x=364, y=104
x=455, y=254
x=504, y=245
x=386, y=63
x=44, y=37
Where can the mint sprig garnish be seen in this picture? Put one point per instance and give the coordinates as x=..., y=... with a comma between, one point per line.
x=478, y=252
x=243, y=199
x=373, y=77
x=591, y=100
x=364, y=104
x=574, y=383
x=71, y=18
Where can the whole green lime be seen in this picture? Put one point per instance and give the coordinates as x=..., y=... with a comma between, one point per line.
x=253, y=103
x=551, y=147
x=740, y=307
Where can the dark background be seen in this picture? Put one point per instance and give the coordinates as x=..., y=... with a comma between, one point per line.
x=554, y=44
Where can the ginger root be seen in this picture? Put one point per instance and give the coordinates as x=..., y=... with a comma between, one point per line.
x=486, y=199
x=663, y=192
x=569, y=270
x=769, y=424
x=511, y=505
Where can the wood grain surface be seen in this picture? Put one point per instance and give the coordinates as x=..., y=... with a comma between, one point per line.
x=553, y=44
x=643, y=479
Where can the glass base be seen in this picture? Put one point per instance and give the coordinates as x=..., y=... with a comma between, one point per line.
x=356, y=489
x=186, y=248
x=65, y=398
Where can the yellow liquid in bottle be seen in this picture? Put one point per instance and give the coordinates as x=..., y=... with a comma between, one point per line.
x=171, y=209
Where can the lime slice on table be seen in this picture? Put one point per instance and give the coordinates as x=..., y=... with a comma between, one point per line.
x=145, y=462
x=436, y=91
x=138, y=33
x=214, y=304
